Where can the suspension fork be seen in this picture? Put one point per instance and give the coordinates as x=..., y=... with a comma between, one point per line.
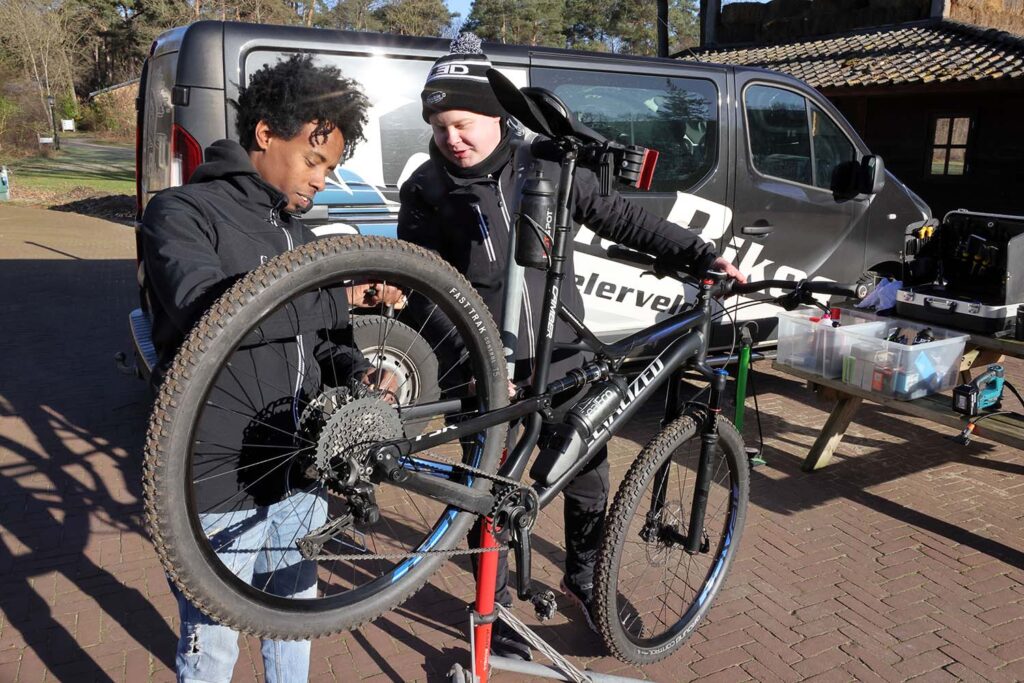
x=708, y=442
x=672, y=411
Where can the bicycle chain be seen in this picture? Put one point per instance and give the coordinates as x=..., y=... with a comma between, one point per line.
x=455, y=552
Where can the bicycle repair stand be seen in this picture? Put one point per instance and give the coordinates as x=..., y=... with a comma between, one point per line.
x=486, y=612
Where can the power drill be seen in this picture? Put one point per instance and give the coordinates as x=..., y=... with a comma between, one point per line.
x=982, y=393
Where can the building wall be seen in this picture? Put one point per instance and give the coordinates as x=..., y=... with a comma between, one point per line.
x=781, y=21
x=1005, y=15
x=899, y=128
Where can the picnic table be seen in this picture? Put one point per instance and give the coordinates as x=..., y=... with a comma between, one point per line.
x=980, y=351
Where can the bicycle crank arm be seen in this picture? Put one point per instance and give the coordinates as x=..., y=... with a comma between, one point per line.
x=445, y=491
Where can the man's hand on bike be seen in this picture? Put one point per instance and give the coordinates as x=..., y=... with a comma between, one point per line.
x=729, y=269
x=376, y=293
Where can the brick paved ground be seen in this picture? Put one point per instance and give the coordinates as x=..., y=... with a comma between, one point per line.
x=903, y=559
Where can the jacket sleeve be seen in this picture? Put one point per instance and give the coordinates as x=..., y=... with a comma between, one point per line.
x=183, y=270
x=417, y=219
x=616, y=219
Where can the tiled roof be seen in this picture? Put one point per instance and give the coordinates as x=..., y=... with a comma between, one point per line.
x=924, y=52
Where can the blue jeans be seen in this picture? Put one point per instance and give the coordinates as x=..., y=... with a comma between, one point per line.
x=258, y=545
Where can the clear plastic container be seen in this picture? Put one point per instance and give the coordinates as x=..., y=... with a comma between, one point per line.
x=813, y=344
x=891, y=364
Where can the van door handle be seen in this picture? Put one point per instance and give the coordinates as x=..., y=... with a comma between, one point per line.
x=759, y=229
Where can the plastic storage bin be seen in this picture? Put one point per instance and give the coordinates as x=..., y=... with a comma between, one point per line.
x=883, y=364
x=814, y=345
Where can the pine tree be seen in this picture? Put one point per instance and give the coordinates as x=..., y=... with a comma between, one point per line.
x=414, y=17
x=519, y=22
x=634, y=30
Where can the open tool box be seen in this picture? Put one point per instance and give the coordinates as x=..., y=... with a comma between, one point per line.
x=966, y=273
x=900, y=359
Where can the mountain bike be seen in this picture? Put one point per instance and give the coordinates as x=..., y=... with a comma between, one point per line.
x=398, y=481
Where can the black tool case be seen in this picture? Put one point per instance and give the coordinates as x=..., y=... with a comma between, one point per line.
x=969, y=273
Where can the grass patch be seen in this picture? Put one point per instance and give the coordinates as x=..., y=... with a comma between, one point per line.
x=104, y=167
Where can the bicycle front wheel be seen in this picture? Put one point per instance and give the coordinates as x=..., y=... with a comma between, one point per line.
x=650, y=593
x=260, y=491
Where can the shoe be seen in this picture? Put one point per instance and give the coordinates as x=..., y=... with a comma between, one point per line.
x=505, y=642
x=583, y=598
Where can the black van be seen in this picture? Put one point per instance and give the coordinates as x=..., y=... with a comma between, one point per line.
x=747, y=156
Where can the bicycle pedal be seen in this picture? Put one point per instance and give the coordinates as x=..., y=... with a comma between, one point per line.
x=755, y=458
x=544, y=604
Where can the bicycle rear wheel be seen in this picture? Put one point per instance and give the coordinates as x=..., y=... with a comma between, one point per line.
x=650, y=594
x=259, y=425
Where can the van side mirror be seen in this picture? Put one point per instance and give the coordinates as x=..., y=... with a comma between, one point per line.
x=872, y=174
x=853, y=178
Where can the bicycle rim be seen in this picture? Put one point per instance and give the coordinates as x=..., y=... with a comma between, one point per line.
x=269, y=440
x=652, y=594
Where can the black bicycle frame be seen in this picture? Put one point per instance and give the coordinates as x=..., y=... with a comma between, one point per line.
x=686, y=335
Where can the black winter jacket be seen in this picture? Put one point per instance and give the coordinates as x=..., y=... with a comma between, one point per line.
x=197, y=240
x=467, y=222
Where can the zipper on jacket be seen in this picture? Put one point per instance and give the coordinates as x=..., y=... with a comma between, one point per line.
x=300, y=369
x=485, y=234
x=527, y=308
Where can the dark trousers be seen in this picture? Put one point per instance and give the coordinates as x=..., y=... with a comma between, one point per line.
x=586, y=501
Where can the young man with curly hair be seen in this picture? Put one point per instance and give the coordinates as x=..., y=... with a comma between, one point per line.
x=295, y=122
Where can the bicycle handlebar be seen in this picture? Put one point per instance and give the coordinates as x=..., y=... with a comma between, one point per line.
x=729, y=287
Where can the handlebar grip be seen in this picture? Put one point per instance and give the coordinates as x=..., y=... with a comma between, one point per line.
x=635, y=257
x=858, y=291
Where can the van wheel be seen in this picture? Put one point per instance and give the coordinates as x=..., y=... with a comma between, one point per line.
x=394, y=346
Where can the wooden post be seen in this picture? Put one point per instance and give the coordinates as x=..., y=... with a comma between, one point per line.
x=832, y=433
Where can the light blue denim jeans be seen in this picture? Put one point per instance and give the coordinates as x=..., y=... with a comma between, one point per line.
x=258, y=545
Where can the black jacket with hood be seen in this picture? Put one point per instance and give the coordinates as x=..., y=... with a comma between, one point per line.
x=465, y=215
x=197, y=240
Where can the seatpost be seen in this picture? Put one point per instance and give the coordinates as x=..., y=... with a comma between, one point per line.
x=556, y=273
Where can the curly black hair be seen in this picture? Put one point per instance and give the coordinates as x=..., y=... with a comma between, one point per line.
x=294, y=92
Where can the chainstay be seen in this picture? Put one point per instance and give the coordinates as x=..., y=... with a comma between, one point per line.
x=454, y=552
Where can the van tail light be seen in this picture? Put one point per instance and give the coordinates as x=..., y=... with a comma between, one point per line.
x=186, y=155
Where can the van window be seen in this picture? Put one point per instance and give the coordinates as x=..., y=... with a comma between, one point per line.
x=779, y=139
x=157, y=120
x=678, y=117
x=781, y=144
x=831, y=147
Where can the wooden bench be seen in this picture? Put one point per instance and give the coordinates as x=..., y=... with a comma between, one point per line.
x=1004, y=429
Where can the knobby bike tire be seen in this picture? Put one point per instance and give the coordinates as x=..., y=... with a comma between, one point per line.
x=179, y=539
x=614, y=613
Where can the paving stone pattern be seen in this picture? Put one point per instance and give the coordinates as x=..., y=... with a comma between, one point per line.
x=902, y=560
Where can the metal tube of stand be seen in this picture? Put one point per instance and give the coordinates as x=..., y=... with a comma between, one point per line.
x=548, y=671
x=486, y=578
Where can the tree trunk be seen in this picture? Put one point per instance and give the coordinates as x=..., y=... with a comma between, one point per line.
x=662, y=28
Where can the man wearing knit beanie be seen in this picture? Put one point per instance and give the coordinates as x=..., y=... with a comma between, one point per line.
x=460, y=204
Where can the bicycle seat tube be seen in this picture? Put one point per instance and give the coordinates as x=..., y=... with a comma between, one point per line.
x=516, y=463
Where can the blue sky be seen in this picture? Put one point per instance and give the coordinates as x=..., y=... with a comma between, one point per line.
x=460, y=6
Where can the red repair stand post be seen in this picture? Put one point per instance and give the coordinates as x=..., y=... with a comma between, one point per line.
x=484, y=618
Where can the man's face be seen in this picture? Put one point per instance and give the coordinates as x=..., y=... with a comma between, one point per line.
x=297, y=167
x=465, y=138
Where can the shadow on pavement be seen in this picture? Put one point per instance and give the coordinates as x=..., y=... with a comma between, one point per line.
x=70, y=467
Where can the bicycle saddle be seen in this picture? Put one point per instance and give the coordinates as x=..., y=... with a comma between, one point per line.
x=540, y=110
